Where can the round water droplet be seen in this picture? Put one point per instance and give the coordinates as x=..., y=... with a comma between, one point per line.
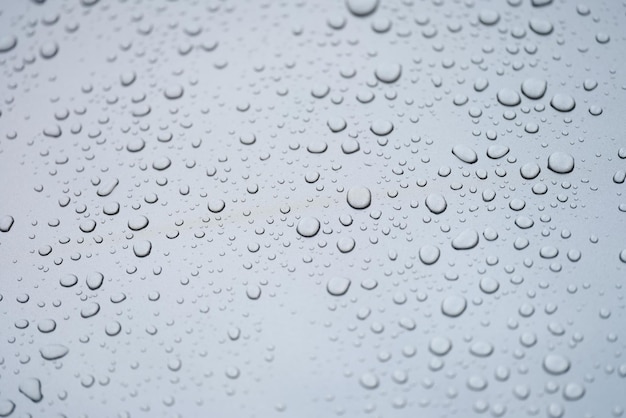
x=95, y=280
x=308, y=226
x=556, y=364
x=541, y=26
x=508, y=97
x=362, y=8
x=336, y=124
x=388, y=72
x=175, y=91
x=369, y=381
x=429, y=254
x=530, y=170
x=6, y=407
x=497, y=151
x=573, y=391
x=253, y=292
x=466, y=240
x=436, y=203
x=359, y=197
x=68, y=280
x=489, y=285
x=440, y=346
x=345, y=245
x=142, y=248
x=247, y=138
x=453, y=305
x=216, y=205
x=161, y=163
x=91, y=309
x=113, y=328
x=381, y=127
x=338, y=286
x=534, y=88
x=488, y=17
x=49, y=49
x=138, y=222
x=563, y=102
x=7, y=43
x=481, y=349
x=561, y=163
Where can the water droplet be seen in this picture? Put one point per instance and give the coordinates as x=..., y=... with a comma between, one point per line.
x=388, y=72
x=440, y=346
x=308, y=226
x=508, y=97
x=534, y=88
x=429, y=254
x=6, y=222
x=362, y=8
x=7, y=43
x=381, y=127
x=142, y=248
x=338, y=286
x=466, y=240
x=489, y=285
x=488, y=17
x=561, y=163
x=563, y=102
x=436, y=203
x=31, y=388
x=54, y=351
x=541, y=26
x=465, y=154
x=359, y=197
x=369, y=381
x=556, y=364
x=573, y=391
x=6, y=407
x=453, y=305
x=216, y=205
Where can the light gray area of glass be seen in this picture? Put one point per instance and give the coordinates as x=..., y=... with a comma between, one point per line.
x=312, y=208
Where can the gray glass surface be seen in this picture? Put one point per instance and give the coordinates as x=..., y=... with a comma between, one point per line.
x=300, y=208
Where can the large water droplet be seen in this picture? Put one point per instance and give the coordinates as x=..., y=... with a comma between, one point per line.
x=362, y=8
x=308, y=226
x=561, y=162
x=338, y=286
x=359, y=197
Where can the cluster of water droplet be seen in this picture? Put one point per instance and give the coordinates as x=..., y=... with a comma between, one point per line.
x=351, y=208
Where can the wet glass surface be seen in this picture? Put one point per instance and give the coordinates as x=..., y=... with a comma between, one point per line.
x=361, y=208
